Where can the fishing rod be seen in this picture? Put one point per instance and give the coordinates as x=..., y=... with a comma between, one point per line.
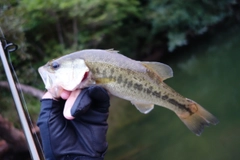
x=5, y=48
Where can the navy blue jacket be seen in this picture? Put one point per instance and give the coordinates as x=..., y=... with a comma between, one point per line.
x=83, y=138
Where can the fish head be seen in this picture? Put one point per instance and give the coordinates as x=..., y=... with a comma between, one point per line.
x=63, y=73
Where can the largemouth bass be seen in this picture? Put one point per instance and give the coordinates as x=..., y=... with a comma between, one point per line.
x=135, y=81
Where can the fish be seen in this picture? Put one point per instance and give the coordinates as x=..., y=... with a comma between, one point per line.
x=140, y=82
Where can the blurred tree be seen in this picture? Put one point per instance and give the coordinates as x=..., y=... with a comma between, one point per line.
x=12, y=28
x=57, y=27
x=135, y=27
x=138, y=28
x=178, y=19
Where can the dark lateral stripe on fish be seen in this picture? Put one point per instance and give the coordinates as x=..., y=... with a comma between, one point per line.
x=119, y=79
x=179, y=105
x=156, y=94
x=164, y=97
x=138, y=86
x=112, y=71
x=104, y=73
x=130, y=83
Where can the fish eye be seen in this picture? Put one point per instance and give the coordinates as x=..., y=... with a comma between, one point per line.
x=55, y=65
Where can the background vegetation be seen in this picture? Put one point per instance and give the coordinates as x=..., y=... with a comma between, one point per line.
x=199, y=39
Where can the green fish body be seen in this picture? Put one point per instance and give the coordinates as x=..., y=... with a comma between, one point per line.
x=135, y=81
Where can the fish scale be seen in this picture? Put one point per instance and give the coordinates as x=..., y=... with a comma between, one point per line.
x=151, y=92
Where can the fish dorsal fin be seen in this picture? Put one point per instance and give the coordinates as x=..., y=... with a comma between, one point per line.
x=163, y=70
x=143, y=108
x=112, y=50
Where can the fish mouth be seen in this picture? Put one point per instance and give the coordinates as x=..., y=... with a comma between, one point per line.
x=45, y=77
x=86, y=81
x=85, y=76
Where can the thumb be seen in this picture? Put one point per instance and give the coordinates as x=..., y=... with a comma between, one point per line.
x=69, y=103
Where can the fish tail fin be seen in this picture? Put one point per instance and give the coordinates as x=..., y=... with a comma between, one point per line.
x=198, y=119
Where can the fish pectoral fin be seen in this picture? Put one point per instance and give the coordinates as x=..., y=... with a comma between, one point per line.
x=163, y=70
x=143, y=108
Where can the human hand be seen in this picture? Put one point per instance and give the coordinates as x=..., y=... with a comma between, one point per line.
x=83, y=136
x=64, y=94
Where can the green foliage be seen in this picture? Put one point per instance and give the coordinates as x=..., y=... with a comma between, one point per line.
x=178, y=19
x=176, y=39
x=12, y=26
x=48, y=29
x=74, y=25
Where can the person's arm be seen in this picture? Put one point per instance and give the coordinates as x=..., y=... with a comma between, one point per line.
x=85, y=136
x=49, y=114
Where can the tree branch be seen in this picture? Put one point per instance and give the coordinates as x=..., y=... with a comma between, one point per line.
x=4, y=147
x=14, y=137
x=25, y=88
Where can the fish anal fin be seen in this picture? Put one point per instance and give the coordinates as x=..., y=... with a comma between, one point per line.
x=198, y=119
x=163, y=70
x=143, y=108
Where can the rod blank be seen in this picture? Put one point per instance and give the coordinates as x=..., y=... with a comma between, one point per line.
x=22, y=116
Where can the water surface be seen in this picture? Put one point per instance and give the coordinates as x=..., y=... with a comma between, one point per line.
x=208, y=74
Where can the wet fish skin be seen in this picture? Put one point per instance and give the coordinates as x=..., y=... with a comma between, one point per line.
x=139, y=82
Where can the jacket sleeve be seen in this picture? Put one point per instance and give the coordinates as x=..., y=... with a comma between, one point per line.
x=58, y=136
x=54, y=129
x=81, y=138
x=47, y=107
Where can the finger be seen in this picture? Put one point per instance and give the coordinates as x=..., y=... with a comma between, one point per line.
x=47, y=95
x=65, y=94
x=69, y=103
